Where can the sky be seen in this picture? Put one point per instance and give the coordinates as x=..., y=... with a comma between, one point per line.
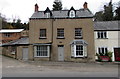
x=23, y=9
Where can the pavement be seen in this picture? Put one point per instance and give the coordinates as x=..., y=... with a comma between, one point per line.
x=17, y=68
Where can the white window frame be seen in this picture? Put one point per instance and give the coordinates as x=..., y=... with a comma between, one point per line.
x=35, y=51
x=72, y=14
x=79, y=50
x=48, y=15
x=100, y=33
x=73, y=51
x=101, y=50
x=60, y=33
x=78, y=34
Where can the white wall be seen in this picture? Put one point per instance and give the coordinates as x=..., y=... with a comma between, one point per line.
x=110, y=43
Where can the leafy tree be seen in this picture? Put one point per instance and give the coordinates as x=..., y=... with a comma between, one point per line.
x=106, y=14
x=3, y=23
x=99, y=16
x=117, y=11
x=26, y=26
x=19, y=25
x=57, y=5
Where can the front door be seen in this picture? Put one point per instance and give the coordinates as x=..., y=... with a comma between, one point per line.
x=117, y=54
x=25, y=53
x=60, y=52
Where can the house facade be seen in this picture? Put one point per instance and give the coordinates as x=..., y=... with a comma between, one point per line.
x=65, y=35
x=107, y=38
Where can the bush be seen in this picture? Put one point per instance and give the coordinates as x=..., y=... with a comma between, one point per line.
x=109, y=54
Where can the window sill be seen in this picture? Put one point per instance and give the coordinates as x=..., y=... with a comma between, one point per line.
x=41, y=56
x=42, y=38
x=102, y=38
x=60, y=37
x=78, y=37
x=79, y=57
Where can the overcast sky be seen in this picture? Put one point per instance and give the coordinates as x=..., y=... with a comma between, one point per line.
x=23, y=9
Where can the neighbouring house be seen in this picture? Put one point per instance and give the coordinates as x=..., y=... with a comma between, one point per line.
x=107, y=38
x=8, y=35
x=65, y=35
x=17, y=49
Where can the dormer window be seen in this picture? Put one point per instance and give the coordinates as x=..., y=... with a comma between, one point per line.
x=72, y=14
x=47, y=15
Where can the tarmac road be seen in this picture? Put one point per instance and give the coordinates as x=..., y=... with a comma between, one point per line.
x=15, y=68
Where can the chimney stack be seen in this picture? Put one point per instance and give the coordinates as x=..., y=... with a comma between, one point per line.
x=36, y=8
x=85, y=5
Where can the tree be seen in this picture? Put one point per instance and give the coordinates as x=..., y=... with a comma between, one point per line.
x=17, y=25
x=57, y=5
x=3, y=23
x=117, y=11
x=99, y=16
x=106, y=14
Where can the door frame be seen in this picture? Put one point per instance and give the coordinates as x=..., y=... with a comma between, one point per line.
x=62, y=52
x=27, y=52
x=114, y=52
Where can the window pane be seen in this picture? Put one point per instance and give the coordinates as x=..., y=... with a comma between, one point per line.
x=42, y=32
x=42, y=51
x=103, y=50
x=98, y=34
x=102, y=34
x=78, y=32
x=105, y=36
x=99, y=50
x=79, y=50
x=72, y=14
x=60, y=32
x=106, y=50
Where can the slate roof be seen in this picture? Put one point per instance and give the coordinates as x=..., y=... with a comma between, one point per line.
x=21, y=41
x=107, y=25
x=82, y=13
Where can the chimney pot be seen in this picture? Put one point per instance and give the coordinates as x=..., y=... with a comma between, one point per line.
x=85, y=5
x=36, y=8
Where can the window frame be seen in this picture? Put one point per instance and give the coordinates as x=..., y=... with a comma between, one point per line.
x=43, y=35
x=47, y=15
x=102, y=35
x=41, y=51
x=104, y=49
x=72, y=14
x=78, y=33
x=74, y=51
x=7, y=34
x=60, y=33
x=79, y=50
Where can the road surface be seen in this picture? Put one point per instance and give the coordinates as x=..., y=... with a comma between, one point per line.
x=15, y=68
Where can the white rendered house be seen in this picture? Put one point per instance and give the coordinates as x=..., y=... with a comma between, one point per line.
x=107, y=38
